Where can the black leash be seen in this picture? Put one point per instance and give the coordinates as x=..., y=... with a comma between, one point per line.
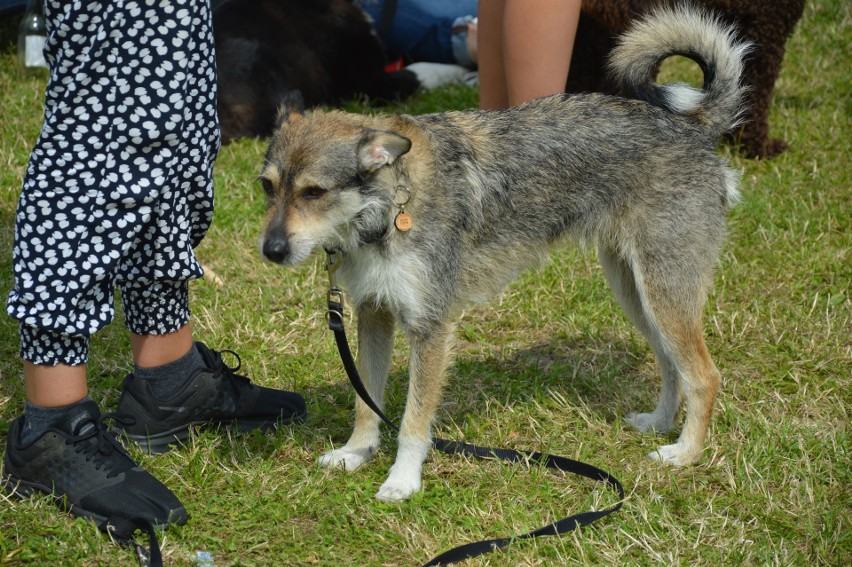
x=122, y=530
x=563, y=464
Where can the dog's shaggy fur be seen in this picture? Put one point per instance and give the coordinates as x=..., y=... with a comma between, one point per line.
x=766, y=24
x=490, y=192
x=326, y=49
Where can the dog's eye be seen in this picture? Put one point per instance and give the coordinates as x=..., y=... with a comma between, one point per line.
x=313, y=193
x=267, y=187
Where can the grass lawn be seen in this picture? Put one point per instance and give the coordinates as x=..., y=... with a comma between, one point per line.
x=551, y=365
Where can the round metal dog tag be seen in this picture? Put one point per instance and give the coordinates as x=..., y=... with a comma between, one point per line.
x=402, y=221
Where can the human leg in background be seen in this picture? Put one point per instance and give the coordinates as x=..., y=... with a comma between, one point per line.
x=524, y=49
x=493, y=92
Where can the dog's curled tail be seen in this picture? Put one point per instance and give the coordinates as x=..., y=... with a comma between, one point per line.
x=696, y=35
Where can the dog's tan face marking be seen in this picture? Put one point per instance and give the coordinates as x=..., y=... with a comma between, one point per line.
x=301, y=188
x=319, y=181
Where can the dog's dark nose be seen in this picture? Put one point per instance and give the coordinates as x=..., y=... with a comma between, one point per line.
x=276, y=249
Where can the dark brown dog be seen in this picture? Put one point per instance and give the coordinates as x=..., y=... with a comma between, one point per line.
x=765, y=24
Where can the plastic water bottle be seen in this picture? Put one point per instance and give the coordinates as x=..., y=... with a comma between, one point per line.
x=32, y=34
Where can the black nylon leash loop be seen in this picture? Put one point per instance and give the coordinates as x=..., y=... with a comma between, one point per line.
x=555, y=462
x=563, y=464
x=122, y=529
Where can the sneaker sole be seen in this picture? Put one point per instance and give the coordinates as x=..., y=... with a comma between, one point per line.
x=164, y=442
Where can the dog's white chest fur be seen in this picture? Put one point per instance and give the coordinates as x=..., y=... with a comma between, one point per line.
x=394, y=281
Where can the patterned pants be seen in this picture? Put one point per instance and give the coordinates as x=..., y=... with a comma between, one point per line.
x=119, y=187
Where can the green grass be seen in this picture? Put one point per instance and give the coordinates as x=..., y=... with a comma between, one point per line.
x=550, y=365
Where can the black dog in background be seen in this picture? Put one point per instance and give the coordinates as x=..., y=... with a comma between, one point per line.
x=326, y=49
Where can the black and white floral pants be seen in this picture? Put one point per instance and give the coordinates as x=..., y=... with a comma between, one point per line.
x=119, y=187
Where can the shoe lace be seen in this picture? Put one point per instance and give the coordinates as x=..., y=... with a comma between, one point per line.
x=98, y=443
x=236, y=381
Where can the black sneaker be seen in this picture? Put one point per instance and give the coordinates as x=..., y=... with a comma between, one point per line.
x=86, y=470
x=215, y=396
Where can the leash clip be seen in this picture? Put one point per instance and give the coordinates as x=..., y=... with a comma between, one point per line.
x=334, y=313
x=333, y=260
x=334, y=297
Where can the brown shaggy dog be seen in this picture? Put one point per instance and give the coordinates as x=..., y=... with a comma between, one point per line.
x=767, y=24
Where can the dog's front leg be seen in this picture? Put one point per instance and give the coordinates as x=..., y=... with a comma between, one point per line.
x=430, y=354
x=375, y=347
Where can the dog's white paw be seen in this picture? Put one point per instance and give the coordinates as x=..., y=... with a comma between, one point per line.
x=397, y=488
x=347, y=458
x=406, y=472
x=649, y=422
x=677, y=454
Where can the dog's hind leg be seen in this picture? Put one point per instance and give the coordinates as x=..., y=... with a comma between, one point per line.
x=375, y=347
x=430, y=355
x=671, y=295
x=620, y=278
x=699, y=382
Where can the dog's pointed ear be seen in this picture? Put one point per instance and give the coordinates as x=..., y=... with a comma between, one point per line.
x=377, y=149
x=292, y=107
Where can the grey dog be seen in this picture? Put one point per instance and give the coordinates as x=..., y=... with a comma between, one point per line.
x=433, y=212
